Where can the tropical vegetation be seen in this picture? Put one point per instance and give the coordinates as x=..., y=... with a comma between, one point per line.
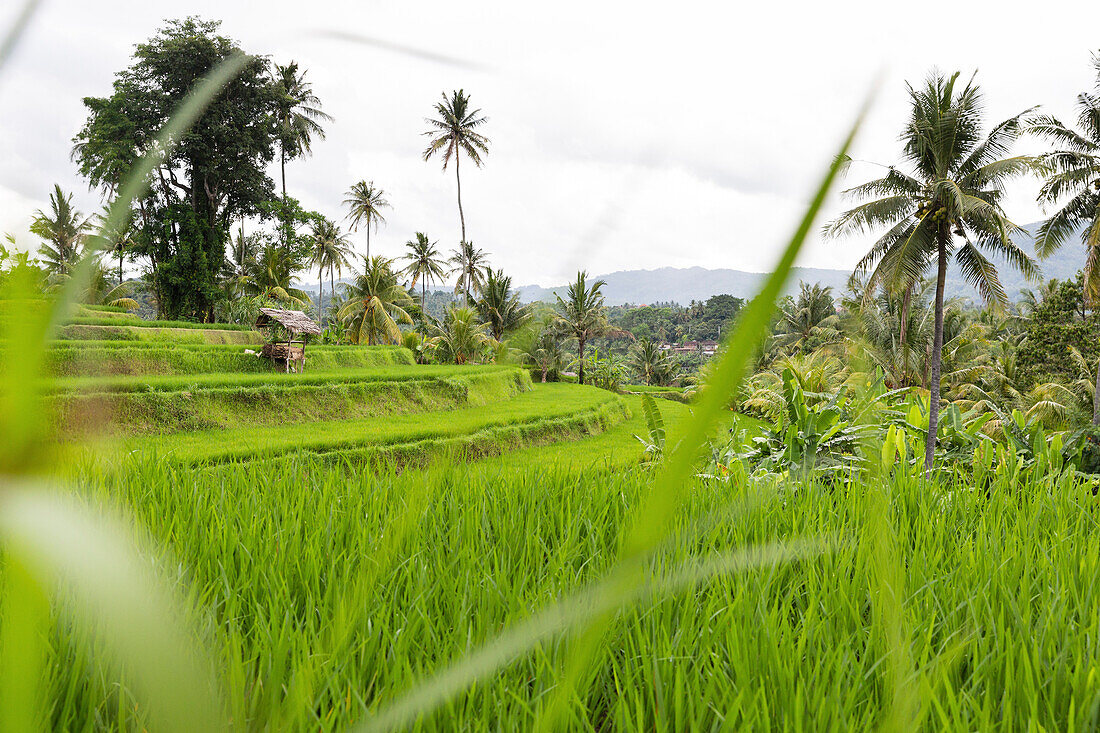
x=864, y=506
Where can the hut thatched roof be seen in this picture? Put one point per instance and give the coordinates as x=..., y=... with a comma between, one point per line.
x=293, y=321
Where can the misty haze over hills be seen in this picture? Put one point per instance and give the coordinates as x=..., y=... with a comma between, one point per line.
x=683, y=285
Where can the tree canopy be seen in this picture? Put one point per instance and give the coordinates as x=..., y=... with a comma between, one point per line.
x=213, y=173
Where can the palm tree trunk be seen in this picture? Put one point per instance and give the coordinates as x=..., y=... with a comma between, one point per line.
x=424, y=303
x=458, y=180
x=580, y=360
x=544, y=375
x=120, y=266
x=321, y=295
x=1096, y=398
x=286, y=219
x=904, y=333
x=368, y=241
x=937, y=349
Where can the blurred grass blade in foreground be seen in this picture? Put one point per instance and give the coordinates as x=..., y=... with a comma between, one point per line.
x=595, y=608
x=16, y=31
x=564, y=615
x=93, y=558
x=659, y=506
x=112, y=589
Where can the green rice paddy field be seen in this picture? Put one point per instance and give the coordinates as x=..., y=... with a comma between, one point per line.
x=382, y=544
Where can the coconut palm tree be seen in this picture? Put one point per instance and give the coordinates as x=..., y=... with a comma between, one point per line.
x=949, y=205
x=581, y=314
x=64, y=228
x=365, y=202
x=328, y=246
x=1032, y=298
x=299, y=116
x=541, y=348
x=875, y=331
x=375, y=303
x=99, y=289
x=454, y=131
x=499, y=305
x=471, y=265
x=425, y=265
x=115, y=241
x=1073, y=180
x=810, y=320
x=244, y=250
x=650, y=363
x=460, y=338
x=271, y=275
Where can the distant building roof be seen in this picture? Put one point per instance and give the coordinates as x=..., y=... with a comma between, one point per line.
x=293, y=321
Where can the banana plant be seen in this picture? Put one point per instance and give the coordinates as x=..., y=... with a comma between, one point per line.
x=819, y=435
x=655, y=424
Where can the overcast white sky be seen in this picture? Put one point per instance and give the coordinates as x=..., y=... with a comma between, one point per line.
x=625, y=135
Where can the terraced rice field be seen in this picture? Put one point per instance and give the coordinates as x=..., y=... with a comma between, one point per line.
x=206, y=404
x=345, y=539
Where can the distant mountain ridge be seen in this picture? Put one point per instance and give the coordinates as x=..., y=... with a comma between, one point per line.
x=683, y=285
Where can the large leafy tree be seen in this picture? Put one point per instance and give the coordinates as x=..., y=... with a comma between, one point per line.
x=64, y=230
x=365, y=202
x=454, y=131
x=426, y=265
x=499, y=305
x=375, y=303
x=329, y=248
x=470, y=264
x=581, y=314
x=947, y=205
x=1073, y=184
x=213, y=174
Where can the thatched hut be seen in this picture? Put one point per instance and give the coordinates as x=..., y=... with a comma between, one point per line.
x=296, y=325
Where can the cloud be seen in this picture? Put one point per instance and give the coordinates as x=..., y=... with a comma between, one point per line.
x=624, y=136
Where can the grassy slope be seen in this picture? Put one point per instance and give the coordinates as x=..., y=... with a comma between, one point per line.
x=126, y=331
x=544, y=405
x=617, y=448
x=114, y=319
x=141, y=358
x=136, y=406
x=123, y=383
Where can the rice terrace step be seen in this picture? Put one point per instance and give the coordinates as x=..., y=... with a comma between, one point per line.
x=90, y=407
x=547, y=412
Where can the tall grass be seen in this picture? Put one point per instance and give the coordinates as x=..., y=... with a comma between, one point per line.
x=547, y=599
x=318, y=620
